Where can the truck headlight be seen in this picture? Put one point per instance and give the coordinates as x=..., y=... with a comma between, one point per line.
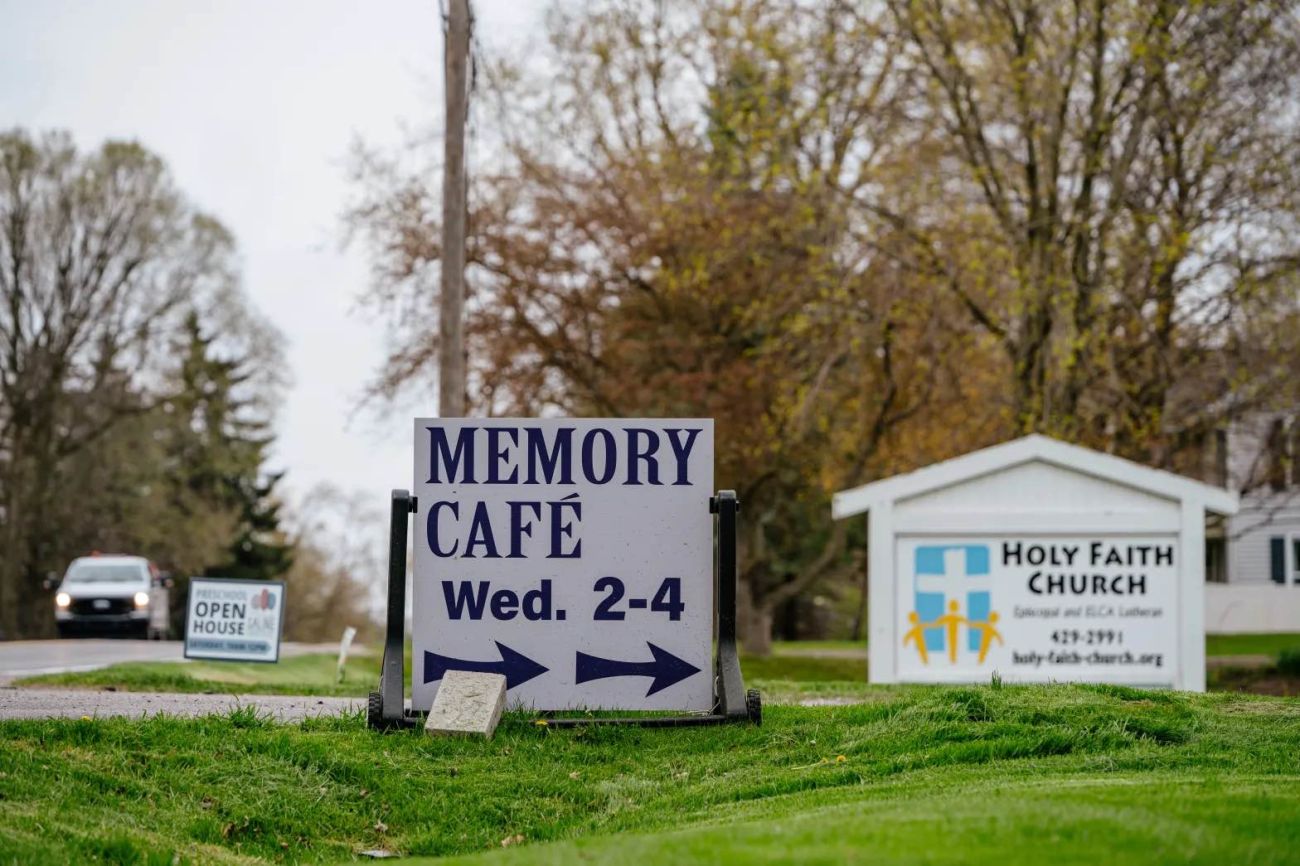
x=63, y=599
x=142, y=599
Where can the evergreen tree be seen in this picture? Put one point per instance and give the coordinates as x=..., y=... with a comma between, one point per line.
x=222, y=441
x=260, y=550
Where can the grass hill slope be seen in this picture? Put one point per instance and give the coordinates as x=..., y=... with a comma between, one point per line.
x=913, y=775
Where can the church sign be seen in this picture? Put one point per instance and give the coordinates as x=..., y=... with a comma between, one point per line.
x=1037, y=561
x=1036, y=608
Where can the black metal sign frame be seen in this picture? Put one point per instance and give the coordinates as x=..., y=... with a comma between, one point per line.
x=386, y=708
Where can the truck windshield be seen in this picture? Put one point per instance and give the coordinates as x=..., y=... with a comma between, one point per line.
x=96, y=572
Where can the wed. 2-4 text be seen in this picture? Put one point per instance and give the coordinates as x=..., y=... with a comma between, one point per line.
x=473, y=600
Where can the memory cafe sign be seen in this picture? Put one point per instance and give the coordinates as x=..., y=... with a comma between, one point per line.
x=1039, y=561
x=572, y=556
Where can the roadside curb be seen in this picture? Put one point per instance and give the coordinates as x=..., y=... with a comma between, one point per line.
x=28, y=703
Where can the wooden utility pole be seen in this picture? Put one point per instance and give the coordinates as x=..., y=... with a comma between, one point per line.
x=451, y=337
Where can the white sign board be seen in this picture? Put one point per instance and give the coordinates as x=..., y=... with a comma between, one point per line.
x=234, y=620
x=1036, y=608
x=573, y=556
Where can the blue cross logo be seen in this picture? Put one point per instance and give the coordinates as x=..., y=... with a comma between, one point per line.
x=947, y=572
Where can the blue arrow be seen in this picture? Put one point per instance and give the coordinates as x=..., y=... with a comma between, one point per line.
x=666, y=669
x=518, y=668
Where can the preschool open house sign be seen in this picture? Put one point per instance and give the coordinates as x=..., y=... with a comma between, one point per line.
x=1039, y=561
x=572, y=556
x=234, y=620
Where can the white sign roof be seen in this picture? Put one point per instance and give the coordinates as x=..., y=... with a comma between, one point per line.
x=1033, y=448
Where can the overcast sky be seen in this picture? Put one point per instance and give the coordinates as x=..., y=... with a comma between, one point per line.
x=254, y=105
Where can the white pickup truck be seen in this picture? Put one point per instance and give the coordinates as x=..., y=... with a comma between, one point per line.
x=112, y=593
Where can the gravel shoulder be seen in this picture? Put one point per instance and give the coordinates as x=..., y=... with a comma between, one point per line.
x=28, y=703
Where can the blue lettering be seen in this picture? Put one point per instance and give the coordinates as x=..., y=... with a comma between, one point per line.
x=497, y=454
x=682, y=451
x=431, y=527
x=589, y=458
x=637, y=455
x=480, y=534
x=466, y=600
x=560, y=456
x=559, y=528
x=439, y=448
x=518, y=528
x=537, y=602
x=462, y=600
x=505, y=604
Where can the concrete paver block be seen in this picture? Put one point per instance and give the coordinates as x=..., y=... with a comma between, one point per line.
x=467, y=704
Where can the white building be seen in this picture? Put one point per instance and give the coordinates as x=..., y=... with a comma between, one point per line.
x=1253, y=558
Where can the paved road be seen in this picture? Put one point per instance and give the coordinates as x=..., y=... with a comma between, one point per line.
x=25, y=658
x=74, y=703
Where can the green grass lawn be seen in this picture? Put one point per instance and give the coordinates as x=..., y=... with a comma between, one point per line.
x=794, y=671
x=833, y=646
x=972, y=819
x=1249, y=644
x=1215, y=645
x=1070, y=774
x=298, y=675
x=781, y=676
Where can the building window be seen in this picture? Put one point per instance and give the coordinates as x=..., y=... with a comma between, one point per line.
x=1295, y=451
x=1278, y=463
x=1221, y=457
x=1284, y=558
x=1216, y=560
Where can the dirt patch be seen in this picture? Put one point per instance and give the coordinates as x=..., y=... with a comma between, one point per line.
x=1243, y=661
x=1255, y=681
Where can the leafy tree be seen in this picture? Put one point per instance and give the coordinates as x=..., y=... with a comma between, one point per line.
x=99, y=250
x=220, y=443
x=1109, y=188
x=106, y=268
x=672, y=236
x=867, y=236
x=260, y=550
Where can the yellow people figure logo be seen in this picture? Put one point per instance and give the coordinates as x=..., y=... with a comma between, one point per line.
x=943, y=574
x=950, y=622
